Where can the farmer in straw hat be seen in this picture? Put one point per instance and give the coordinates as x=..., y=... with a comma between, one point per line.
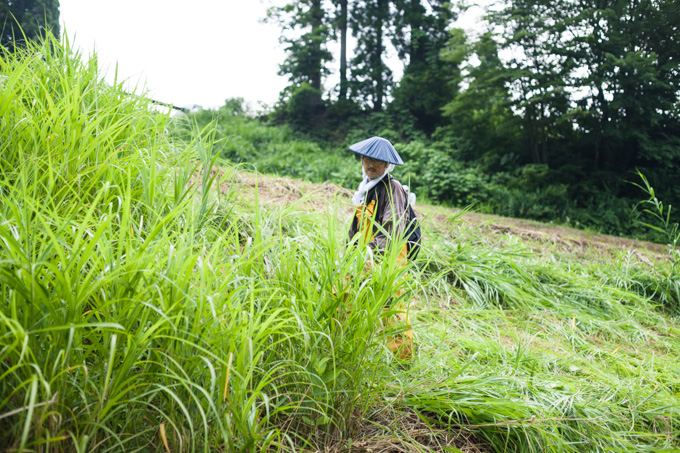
x=382, y=214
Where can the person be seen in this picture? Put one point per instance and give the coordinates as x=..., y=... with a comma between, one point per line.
x=380, y=216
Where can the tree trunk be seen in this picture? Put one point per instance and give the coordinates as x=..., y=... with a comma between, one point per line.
x=316, y=22
x=343, y=49
x=416, y=14
x=544, y=145
x=532, y=133
x=379, y=67
x=602, y=124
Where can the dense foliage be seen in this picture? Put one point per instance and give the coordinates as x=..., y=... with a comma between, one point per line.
x=22, y=20
x=150, y=302
x=553, y=108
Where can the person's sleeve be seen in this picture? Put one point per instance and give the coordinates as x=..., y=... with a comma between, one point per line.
x=392, y=215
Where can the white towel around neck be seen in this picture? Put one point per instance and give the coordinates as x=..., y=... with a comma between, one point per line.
x=366, y=185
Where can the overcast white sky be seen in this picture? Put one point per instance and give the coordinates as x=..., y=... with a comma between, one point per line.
x=184, y=52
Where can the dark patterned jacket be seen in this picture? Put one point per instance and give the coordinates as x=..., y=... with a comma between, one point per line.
x=385, y=208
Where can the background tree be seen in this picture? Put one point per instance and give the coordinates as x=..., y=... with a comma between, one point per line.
x=371, y=78
x=305, y=34
x=604, y=69
x=632, y=80
x=539, y=86
x=33, y=17
x=481, y=114
x=341, y=24
x=424, y=88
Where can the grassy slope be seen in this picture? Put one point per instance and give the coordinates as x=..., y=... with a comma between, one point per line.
x=138, y=311
x=526, y=329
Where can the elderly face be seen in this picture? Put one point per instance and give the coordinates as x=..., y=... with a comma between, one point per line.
x=374, y=168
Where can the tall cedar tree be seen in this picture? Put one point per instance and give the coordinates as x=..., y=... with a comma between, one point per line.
x=33, y=18
x=371, y=78
x=305, y=34
x=420, y=36
x=341, y=25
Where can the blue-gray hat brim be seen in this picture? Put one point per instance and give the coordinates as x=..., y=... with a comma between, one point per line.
x=377, y=148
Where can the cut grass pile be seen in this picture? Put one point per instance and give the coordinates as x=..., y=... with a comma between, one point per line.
x=150, y=302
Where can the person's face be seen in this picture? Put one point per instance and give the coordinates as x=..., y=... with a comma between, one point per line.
x=373, y=168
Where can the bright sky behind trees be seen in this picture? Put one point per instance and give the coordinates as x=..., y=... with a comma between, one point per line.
x=200, y=52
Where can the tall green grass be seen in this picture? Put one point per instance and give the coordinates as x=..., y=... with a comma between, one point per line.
x=137, y=313
x=667, y=287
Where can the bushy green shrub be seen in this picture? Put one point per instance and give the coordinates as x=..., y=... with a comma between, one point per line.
x=437, y=176
x=545, y=204
x=304, y=107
